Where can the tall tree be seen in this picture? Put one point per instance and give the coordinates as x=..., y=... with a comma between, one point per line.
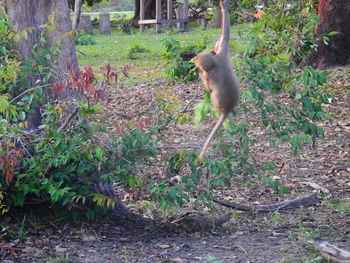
x=334, y=16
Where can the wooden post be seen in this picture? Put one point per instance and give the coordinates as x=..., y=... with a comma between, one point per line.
x=179, y=15
x=85, y=24
x=169, y=11
x=104, y=24
x=158, y=15
x=203, y=23
x=185, y=15
x=142, y=14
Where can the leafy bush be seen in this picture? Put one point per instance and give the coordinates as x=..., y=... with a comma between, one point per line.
x=134, y=49
x=60, y=162
x=84, y=39
x=179, y=58
x=123, y=23
x=65, y=164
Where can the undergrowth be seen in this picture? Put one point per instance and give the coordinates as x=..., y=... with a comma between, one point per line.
x=286, y=99
x=60, y=162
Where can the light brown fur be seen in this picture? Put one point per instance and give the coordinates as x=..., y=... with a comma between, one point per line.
x=217, y=75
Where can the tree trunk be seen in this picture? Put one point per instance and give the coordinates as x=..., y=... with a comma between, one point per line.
x=25, y=14
x=77, y=11
x=31, y=15
x=334, y=16
x=150, y=9
x=137, y=10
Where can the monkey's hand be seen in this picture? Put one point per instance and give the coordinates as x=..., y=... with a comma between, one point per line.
x=205, y=79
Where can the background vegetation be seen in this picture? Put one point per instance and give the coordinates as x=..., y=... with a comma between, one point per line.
x=60, y=165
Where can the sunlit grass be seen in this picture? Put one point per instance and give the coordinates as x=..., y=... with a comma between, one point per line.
x=149, y=65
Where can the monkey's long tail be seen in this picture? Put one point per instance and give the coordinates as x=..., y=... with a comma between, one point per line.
x=211, y=135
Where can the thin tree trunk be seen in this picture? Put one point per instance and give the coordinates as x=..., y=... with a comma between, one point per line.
x=137, y=10
x=334, y=16
x=77, y=11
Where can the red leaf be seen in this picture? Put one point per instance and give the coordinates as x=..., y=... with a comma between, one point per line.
x=9, y=176
x=107, y=70
x=58, y=87
x=140, y=124
x=148, y=121
x=120, y=129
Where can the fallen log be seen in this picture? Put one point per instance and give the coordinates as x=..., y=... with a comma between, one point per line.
x=305, y=201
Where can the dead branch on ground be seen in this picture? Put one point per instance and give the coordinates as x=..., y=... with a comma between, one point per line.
x=305, y=201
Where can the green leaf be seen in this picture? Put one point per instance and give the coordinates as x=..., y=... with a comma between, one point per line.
x=22, y=115
x=4, y=104
x=333, y=33
x=99, y=153
x=16, y=38
x=283, y=189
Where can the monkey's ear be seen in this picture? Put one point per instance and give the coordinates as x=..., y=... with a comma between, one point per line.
x=212, y=52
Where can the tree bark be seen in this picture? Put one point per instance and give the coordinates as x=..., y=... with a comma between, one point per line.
x=137, y=10
x=31, y=15
x=77, y=11
x=150, y=9
x=334, y=16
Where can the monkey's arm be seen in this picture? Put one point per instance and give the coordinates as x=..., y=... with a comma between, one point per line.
x=222, y=46
x=205, y=79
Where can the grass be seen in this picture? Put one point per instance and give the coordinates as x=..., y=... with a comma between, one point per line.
x=113, y=49
x=116, y=14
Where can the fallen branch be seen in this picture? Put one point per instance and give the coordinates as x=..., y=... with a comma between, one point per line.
x=305, y=201
x=10, y=248
x=233, y=205
x=69, y=118
x=334, y=253
x=330, y=251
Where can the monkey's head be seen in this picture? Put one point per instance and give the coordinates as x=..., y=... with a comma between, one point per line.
x=205, y=61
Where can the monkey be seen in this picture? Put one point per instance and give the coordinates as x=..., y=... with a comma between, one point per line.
x=217, y=76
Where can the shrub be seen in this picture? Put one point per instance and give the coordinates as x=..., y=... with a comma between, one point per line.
x=84, y=39
x=179, y=58
x=60, y=162
x=134, y=49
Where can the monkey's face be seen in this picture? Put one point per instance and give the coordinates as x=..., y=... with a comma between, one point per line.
x=205, y=61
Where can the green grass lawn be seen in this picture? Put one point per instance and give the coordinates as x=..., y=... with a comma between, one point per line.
x=93, y=15
x=113, y=49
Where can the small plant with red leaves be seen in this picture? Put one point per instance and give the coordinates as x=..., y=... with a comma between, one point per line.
x=86, y=83
x=9, y=159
